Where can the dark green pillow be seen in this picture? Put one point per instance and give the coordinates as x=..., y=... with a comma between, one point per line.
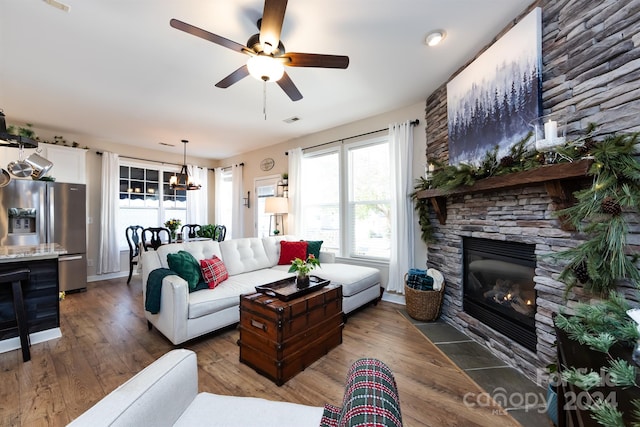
x=313, y=247
x=187, y=267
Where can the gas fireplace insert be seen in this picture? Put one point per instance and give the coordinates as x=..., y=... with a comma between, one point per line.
x=499, y=288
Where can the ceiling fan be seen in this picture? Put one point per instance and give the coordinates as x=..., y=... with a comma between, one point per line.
x=266, y=51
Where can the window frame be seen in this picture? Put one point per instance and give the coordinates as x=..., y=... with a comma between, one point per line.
x=346, y=239
x=162, y=185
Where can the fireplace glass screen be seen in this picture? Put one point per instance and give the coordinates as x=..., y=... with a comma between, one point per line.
x=499, y=287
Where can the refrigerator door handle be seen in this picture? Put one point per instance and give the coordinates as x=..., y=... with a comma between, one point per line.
x=69, y=258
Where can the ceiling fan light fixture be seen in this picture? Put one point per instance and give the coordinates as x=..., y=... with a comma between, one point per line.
x=435, y=37
x=265, y=68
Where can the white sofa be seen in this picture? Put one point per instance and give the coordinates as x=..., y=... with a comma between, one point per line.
x=165, y=393
x=250, y=262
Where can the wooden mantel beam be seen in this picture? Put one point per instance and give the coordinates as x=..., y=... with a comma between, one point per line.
x=559, y=180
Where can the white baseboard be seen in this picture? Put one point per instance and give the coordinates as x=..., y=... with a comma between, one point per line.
x=394, y=298
x=35, y=338
x=98, y=277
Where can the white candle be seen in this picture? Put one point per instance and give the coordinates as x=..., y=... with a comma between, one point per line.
x=431, y=168
x=551, y=131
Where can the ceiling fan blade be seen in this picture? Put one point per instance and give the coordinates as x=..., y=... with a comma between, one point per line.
x=315, y=60
x=234, y=77
x=203, y=34
x=271, y=25
x=289, y=88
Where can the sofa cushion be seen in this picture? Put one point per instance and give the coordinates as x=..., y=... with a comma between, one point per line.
x=292, y=250
x=185, y=266
x=227, y=293
x=200, y=249
x=235, y=411
x=203, y=249
x=313, y=248
x=243, y=255
x=213, y=271
x=353, y=278
x=272, y=247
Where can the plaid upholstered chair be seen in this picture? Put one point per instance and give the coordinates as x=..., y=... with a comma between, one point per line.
x=370, y=399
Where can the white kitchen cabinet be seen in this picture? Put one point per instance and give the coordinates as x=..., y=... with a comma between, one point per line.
x=69, y=164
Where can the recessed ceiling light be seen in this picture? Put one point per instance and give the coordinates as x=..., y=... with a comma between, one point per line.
x=291, y=119
x=435, y=37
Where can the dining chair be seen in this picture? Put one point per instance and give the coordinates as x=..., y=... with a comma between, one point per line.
x=133, y=233
x=192, y=231
x=220, y=233
x=152, y=237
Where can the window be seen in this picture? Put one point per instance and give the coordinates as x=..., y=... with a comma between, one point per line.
x=321, y=199
x=224, y=200
x=264, y=187
x=145, y=197
x=349, y=206
x=369, y=205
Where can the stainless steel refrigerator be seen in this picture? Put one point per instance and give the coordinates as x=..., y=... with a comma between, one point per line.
x=34, y=212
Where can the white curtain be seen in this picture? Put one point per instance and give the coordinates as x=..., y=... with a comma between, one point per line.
x=218, y=202
x=197, y=199
x=295, y=192
x=400, y=153
x=109, y=252
x=237, y=208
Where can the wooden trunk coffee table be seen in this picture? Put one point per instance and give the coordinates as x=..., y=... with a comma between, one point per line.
x=281, y=338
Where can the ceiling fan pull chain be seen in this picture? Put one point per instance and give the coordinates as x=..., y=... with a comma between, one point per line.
x=264, y=99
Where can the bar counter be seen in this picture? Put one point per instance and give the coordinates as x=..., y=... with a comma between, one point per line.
x=30, y=252
x=40, y=294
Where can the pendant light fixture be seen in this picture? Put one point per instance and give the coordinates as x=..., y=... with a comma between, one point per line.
x=183, y=181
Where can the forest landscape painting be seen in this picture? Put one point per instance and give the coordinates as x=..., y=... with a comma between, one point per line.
x=496, y=98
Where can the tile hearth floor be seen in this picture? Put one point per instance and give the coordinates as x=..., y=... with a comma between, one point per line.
x=491, y=373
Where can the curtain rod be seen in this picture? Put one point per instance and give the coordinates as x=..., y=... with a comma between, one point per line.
x=99, y=153
x=227, y=167
x=412, y=123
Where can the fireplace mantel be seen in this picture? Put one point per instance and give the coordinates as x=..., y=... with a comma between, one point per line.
x=561, y=181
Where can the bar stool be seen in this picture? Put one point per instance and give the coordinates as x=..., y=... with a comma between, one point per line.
x=17, y=278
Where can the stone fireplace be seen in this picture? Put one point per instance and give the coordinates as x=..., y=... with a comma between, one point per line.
x=498, y=287
x=589, y=71
x=519, y=218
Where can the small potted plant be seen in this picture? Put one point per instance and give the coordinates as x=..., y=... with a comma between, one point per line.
x=285, y=179
x=303, y=267
x=173, y=225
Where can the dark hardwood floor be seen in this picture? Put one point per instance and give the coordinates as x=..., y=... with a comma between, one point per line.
x=105, y=341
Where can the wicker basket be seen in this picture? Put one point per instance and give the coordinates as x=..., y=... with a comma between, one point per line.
x=423, y=305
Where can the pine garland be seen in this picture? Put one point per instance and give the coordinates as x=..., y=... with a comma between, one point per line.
x=422, y=207
x=600, y=326
x=605, y=258
x=598, y=213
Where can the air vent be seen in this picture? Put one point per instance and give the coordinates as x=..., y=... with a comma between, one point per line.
x=166, y=145
x=291, y=119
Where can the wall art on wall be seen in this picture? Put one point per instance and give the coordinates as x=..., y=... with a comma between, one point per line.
x=494, y=100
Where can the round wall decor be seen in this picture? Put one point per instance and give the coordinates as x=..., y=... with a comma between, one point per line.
x=267, y=164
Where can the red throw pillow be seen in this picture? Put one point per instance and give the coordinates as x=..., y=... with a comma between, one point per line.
x=213, y=271
x=291, y=250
